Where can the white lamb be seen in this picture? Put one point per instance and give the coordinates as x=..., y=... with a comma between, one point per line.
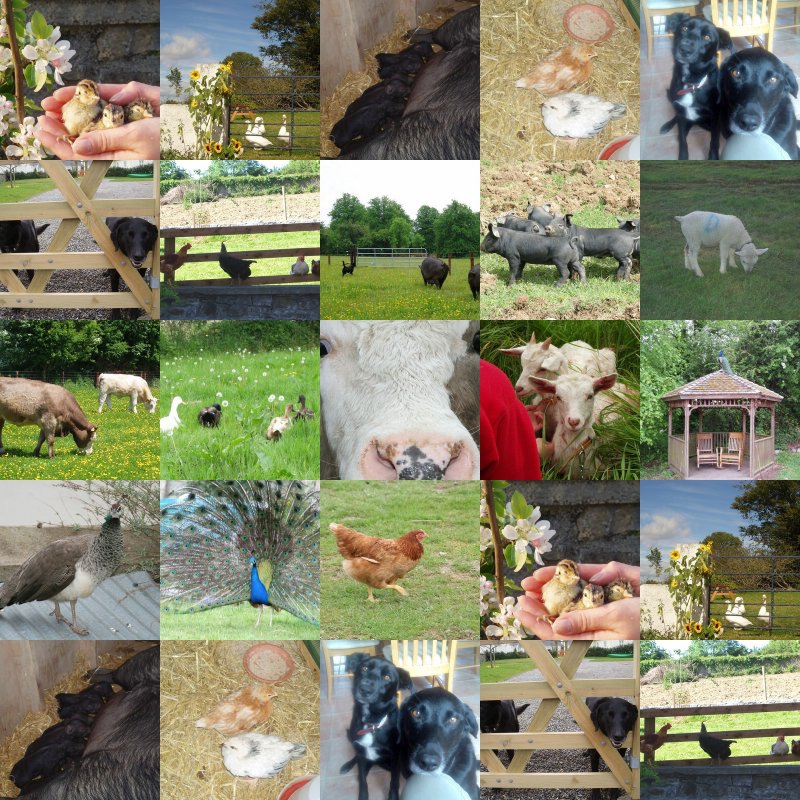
x=707, y=228
x=118, y=384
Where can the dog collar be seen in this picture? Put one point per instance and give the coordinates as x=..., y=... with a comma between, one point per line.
x=693, y=87
x=372, y=727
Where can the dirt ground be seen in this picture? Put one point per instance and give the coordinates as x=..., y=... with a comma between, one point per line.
x=243, y=211
x=721, y=691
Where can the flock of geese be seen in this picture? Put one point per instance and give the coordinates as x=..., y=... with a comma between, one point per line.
x=735, y=613
x=256, y=134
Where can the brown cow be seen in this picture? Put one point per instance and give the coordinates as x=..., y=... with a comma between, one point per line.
x=51, y=407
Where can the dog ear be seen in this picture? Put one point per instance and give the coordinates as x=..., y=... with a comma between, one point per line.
x=469, y=719
x=354, y=661
x=790, y=79
x=673, y=20
x=634, y=712
x=725, y=41
x=152, y=235
x=116, y=231
x=404, y=679
x=595, y=715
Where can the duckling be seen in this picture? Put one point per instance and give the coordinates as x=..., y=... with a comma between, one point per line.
x=303, y=412
x=280, y=425
x=138, y=109
x=617, y=590
x=82, y=110
x=210, y=416
x=563, y=588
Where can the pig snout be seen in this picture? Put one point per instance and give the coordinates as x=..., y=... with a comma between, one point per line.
x=412, y=458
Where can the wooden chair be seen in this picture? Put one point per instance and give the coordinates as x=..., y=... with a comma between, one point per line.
x=433, y=659
x=734, y=452
x=784, y=5
x=336, y=649
x=705, y=450
x=748, y=18
x=662, y=8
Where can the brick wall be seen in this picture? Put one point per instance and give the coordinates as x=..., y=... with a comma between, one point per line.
x=726, y=783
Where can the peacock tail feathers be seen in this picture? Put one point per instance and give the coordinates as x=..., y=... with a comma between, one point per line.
x=214, y=529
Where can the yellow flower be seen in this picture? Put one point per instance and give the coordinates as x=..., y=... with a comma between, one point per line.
x=675, y=554
x=687, y=626
x=195, y=74
x=705, y=548
x=193, y=104
x=208, y=147
x=226, y=67
x=717, y=625
x=673, y=584
x=237, y=147
x=698, y=628
x=217, y=148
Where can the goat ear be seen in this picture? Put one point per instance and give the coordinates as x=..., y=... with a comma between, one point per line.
x=512, y=351
x=546, y=343
x=605, y=382
x=533, y=337
x=543, y=386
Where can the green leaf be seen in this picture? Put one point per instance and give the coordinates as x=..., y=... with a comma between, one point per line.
x=30, y=76
x=498, y=486
x=519, y=508
x=39, y=26
x=19, y=4
x=499, y=508
x=510, y=555
x=19, y=27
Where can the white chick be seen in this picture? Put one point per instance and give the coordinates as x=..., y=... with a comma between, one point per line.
x=579, y=116
x=253, y=755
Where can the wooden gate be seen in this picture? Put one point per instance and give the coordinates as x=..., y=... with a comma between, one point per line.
x=560, y=686
x=79, y=205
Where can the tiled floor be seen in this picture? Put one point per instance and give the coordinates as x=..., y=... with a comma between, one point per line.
x=335, y=719
x=655, y=78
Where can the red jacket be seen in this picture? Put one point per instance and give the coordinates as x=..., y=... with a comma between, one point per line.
x=508, y=442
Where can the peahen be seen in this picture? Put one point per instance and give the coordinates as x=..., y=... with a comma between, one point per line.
x=225, y=542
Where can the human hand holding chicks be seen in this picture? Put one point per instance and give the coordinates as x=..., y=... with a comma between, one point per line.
x=590, y=601
x=103, y=121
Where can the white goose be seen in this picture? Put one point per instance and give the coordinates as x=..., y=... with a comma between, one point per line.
x=738, y=606
x=284, y=137
x=255, y=134
x=735, y=619
x=763, y=613
x=170, y=423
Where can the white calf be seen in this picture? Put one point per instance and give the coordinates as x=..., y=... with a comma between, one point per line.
x=119, y=385
x=706, y=228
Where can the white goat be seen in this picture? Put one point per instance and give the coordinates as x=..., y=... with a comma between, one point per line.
x=577, y=407
x=706, y=228
x=120, y=385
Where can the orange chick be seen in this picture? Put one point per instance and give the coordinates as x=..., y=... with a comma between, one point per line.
x=560, y=71
x=240, y=712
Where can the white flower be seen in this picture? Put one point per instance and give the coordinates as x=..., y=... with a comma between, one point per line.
x=219, y=394
x=46, y=53
x=263, y=374
x=239, y=378
x=280, y=398
x=271, y=398
x=3, y=28
x=488, y=595
x=224, y=403
x=8, y=116
x=5, y=58
x=26, y=146
x=486, y=538
x=530, y=537
x=506, y=625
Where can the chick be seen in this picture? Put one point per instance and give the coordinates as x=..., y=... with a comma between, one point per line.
x=579, y=116
x=563, y=588
x=241, y=711
x=560, y=71
x=592, y=597
x=138, y=109
x=618, y=590
x=254, y=755
x=113, y=116
x=82, y=110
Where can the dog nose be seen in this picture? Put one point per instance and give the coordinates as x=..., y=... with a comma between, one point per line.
x=429, y=761
x=749, y=119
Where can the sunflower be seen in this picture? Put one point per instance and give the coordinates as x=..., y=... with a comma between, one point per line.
x=705, y=548
x=217, y=148
x=193, y=104
x=237, y=146
x=698, y=628
x=208, y=147
x=675, y=554
x=226, y=67
x=716, y=625
x=195, y=74
x=687, y=626
x=673, y=584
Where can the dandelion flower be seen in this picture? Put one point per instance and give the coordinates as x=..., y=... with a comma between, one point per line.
x=271, y=398
x=224, y=403
x=280, y=398
x=219, y=394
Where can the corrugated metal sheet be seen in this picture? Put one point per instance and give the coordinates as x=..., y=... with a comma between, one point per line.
x=122, y=607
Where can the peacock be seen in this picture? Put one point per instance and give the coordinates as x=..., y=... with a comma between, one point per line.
x=723, y=362
x=225, y=542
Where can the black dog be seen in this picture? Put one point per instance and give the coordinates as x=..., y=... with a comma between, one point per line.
x=755, y=89
x=694, y=89
x=374, y=729
x=135, y=237
x=501, y=716
x=20, y=236
x=614, y=717
x=435, y=729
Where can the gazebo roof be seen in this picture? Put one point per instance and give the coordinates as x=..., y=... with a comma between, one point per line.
x=721, y=385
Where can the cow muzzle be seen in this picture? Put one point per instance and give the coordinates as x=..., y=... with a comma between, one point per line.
x=409, y=460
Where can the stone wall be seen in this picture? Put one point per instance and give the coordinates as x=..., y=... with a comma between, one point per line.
x=271, y=301
x=727, y=783
x=116, y=41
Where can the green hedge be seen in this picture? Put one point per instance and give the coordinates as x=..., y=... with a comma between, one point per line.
x=720, y=666
x=250, y=185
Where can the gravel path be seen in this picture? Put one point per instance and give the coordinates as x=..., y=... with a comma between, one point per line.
x=78, y=280
x=560, y=722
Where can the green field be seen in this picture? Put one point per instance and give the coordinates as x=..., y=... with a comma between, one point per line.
x=241, y=382
x=304, y=137
x=442, y=588
x=394, y=293
x=506, y=668
x=762, y=195
x=236, y=622
x=240, y=246
x=784, y=617
x=126, y=446
x=24, y=190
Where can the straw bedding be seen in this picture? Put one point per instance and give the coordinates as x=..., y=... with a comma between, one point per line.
x=517, y=35
x=195, y=676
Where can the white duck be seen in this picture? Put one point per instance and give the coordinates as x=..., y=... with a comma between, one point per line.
x=763, y=613
x=737, y=620
x=284, y=137
x=280, y=425
x=170, y=423
x=738, y=606
x=255, y=134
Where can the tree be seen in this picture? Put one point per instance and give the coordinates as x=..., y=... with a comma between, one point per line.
x=400, y=232
x=654, y=559
x=457, y=230
x=715, y=647
x=424, y=226
x=171, y=171
x=774, y=508
x=651, y=649
x=291, y=28
x=248, y=84
x=174, y=79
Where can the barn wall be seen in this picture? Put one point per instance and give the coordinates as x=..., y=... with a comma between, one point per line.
x=729, y=783
x=299, y=301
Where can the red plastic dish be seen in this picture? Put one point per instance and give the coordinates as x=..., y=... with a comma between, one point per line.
x=292, y=788
x=588, y=23
x=268, y=663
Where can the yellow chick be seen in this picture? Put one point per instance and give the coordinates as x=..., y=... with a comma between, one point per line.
x=618, y=590
x=113, y=116
x=82, y=110
x=563, y=588
x=138, y=109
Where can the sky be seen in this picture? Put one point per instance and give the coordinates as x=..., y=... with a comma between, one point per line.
x=30, y=502
x=203, y=32
x=685, y=512
x=410, y=183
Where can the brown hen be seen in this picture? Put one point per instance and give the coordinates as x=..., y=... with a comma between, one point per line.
x=560, y=71
x=240, y=711
x=378, y=563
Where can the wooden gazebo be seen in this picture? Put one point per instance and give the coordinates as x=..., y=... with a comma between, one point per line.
x=721, y=389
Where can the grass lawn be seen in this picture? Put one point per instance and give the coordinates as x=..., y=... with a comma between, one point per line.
x=394, y=293
x=126, y=447
x=236, y=622
x=783, y=617
x=24, y=190
x=762, y=195
x=442, y=588
x=239, y=246
x=536, y=296
x=506, y=668
x=305, y=142
x=238, y=447
x=724, y=722
x=790, y=465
